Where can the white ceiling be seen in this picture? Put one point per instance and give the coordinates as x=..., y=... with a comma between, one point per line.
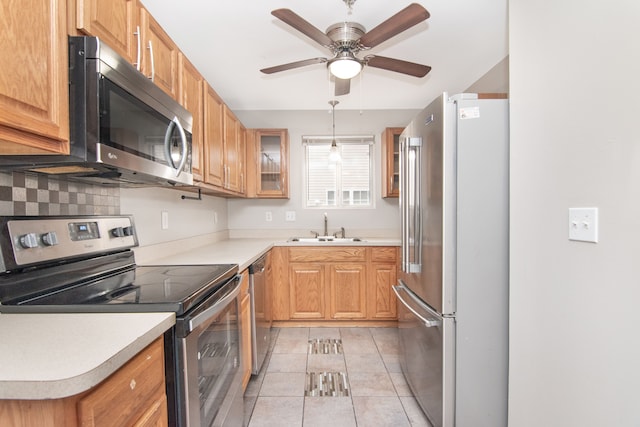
x=229, y=41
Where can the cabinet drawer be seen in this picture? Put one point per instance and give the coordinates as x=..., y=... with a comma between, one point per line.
x=125, y=396
x=383, y=254
x=334, y=253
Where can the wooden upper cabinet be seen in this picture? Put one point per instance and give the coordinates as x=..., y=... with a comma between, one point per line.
x=128, y=28
x=116, y=22
x=159, y=55
x=213, y=138
x=231, y=151
x=268, y=160
x=391, y=162
x=242, y=157
x=34, y=102
x=191, y=96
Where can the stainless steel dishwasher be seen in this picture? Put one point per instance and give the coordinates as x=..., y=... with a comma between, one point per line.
x=261, y=318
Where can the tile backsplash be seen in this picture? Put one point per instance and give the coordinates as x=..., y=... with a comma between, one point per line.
x=34, y=194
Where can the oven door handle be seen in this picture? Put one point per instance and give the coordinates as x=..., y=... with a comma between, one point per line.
x=213, y=311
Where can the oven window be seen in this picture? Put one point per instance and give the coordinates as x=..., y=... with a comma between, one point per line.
x=218, y=362
x=130, y=125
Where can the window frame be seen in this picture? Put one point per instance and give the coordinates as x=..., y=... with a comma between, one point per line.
x=341, y=141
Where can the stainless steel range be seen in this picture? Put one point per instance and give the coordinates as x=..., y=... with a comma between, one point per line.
x=86, y=264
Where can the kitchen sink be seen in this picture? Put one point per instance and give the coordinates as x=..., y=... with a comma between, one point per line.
x=326, y=239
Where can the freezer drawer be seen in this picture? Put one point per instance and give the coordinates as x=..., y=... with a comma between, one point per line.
x=427, y=356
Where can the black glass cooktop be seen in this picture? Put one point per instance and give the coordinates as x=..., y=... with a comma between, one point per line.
x=143, y=288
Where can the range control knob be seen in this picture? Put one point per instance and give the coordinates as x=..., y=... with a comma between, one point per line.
x=128, y=231
x=50, y=238
x=29, y=240
x=117, y=232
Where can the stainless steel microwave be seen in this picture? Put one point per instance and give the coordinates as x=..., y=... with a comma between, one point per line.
x=123, y=128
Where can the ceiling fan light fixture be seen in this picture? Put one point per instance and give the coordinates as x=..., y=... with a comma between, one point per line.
x=345, y=66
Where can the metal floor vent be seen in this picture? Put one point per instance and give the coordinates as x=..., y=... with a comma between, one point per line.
x=325, y=346
x=326, y=384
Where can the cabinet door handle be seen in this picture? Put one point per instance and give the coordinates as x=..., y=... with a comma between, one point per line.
x=153, y=65
x=137, y=34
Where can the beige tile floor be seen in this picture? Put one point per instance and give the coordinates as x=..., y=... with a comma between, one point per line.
x=378, y=393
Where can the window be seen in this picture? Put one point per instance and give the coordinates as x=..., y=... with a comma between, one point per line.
x=346, y=183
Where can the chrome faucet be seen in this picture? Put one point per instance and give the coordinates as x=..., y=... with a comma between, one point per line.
x=342, y=233
x=326, y=222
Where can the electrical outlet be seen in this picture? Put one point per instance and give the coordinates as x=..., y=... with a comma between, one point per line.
x=583, y=224
x=268, y=216
x=164, y=220
x=290, y=216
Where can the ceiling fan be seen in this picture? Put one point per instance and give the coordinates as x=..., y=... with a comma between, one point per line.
x=347, y=39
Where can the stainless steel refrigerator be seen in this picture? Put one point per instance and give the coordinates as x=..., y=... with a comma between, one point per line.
x=453, y=286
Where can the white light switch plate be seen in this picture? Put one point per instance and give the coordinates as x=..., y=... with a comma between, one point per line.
x=164, y=220
x=290, y=216
x=583, y=224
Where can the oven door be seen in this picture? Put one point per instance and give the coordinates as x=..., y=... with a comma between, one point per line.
x=209, y=378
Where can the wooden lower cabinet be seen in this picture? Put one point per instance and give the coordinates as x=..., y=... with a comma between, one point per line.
x=347, y=291
x=132, y=396
x=381, y=301
x=334, y=283
x=306, y=291
x=245, y=329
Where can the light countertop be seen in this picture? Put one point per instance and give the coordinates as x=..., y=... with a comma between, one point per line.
x=242, y=251
x=51, y=356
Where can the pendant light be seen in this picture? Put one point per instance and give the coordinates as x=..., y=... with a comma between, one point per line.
x=334, y=153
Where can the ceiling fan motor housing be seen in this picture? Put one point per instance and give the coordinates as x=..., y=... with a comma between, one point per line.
x=346, y=36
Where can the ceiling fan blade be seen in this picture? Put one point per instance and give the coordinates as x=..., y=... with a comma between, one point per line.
x=343, y=86
x=398, y=65
x=292, y=65
x=296, y=21
x=406, y=18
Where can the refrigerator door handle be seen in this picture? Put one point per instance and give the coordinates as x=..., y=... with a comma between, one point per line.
x=410, y=209
x=429, y=323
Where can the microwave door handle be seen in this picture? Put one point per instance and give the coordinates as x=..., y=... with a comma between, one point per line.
x=167, y=145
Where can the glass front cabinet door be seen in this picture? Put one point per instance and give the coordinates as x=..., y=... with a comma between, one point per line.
x=270, y=157
x=391, y=162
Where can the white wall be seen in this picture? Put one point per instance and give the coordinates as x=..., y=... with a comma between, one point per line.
x=575, y=90
x=249, y=215
x=187, y=218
